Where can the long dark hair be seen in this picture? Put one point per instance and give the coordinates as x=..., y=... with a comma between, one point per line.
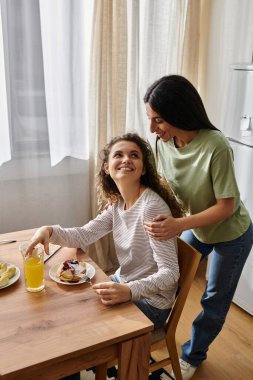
x=178, y=102
x=107, y=189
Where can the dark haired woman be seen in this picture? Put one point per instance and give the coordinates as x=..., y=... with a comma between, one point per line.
x=197, y=161
x=148, y=271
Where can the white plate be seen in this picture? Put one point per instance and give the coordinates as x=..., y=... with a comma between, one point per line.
x=14, y=278
x=90, y=272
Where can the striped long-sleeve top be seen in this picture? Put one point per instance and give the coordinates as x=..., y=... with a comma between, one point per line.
x=148, y=266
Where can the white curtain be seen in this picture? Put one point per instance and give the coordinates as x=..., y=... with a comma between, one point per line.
x=47, y=53
x=5, y=151
x=65, y=44
x=107, y=99
x=45, y=81
x=162, y=38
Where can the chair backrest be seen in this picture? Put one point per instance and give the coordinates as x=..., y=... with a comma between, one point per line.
x=188, y=259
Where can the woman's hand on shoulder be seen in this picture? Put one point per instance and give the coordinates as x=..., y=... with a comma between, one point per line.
x=163, y=227
x=112, y=293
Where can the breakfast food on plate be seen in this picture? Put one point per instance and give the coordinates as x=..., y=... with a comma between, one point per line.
x=71, y=270
x=4, y=280
x=11, y=272
x=6, y=273
x=3, y=268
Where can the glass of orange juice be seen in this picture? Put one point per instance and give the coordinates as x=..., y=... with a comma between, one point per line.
x=33, y=268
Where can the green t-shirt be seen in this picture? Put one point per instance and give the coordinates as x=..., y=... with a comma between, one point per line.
x=201, y=172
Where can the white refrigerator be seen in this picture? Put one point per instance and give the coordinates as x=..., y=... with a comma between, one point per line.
x=238, y=128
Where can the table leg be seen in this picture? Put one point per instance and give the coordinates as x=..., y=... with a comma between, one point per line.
x=101, y=372
x=134, y=359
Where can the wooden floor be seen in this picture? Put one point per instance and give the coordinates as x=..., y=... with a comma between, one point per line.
x=230, y=357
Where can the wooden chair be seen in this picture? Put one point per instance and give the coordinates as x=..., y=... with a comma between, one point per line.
x=188, y=258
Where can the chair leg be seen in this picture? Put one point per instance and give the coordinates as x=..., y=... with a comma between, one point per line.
x=172, y=348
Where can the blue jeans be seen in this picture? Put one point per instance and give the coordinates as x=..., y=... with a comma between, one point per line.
x=157, y=316
x=225, y=269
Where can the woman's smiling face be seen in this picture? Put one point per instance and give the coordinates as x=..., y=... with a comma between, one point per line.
x=125, y=161
x=159, y=126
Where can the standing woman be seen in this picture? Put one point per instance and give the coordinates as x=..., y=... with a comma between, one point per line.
x=197, y=161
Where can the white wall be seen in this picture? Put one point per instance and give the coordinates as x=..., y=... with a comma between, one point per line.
x=33, y=194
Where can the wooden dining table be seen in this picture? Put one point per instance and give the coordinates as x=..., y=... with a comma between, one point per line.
x=65, y=329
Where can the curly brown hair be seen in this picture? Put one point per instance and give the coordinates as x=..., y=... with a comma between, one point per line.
x=109, y=192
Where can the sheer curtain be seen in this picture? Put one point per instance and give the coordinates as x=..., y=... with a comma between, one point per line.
x=46, y=52
x=5, y=152
x=65, y=31
x=52, y=43
x=107, y=100
x=163, y=38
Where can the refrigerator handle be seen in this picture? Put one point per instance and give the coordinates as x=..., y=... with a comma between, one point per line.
x=238, y=142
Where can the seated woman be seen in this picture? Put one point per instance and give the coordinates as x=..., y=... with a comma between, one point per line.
x=148, y=271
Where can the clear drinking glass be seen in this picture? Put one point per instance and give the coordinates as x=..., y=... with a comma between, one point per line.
x=33, y=268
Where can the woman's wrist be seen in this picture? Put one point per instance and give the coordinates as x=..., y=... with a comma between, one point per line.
x=130, y=293
x=182, y=224
x=50, y=230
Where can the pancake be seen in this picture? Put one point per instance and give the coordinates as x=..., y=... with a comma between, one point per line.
x=71, y=270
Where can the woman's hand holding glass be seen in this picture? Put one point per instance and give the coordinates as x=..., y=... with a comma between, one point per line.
x=42, y=236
